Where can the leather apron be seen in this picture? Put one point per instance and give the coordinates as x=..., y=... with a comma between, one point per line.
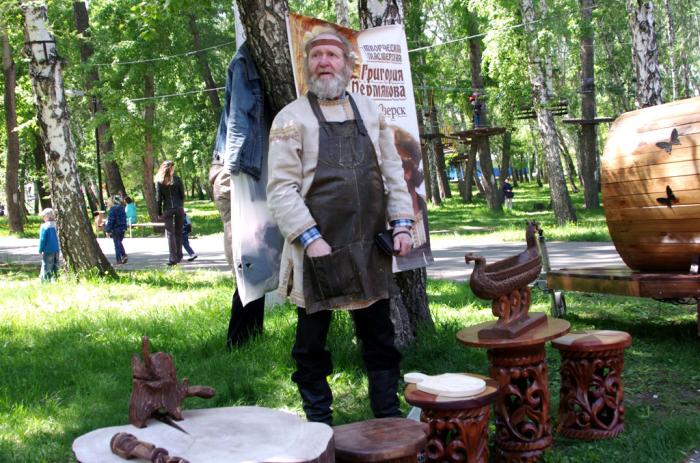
x=347, y=201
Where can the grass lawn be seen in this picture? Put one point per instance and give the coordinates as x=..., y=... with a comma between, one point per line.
x=454, y=218
x=66, y=350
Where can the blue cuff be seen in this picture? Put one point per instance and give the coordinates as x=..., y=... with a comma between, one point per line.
x=408, y=223
x=309, y=236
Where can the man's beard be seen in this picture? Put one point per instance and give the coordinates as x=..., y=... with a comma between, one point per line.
x=328, y=89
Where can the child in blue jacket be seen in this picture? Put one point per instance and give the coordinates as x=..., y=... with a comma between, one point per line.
x=48, y=246
x=116, y=227
x=186, y=230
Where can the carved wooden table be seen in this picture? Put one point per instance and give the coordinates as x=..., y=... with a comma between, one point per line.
x=458, y=426
x=523, y=424
x=627, y=282
x=222, y=435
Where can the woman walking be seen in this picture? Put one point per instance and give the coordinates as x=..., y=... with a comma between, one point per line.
x=116, y=227
x=170, y=198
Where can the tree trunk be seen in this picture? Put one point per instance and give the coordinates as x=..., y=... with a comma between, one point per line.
x=483, y=145
x=113, y=176
x=341, y=13
x=149, y=161
x=40, y=168
x=645, y=53
x=78, y=243
x=438, y=149
x=12, y=194
x=505, y=163
x=424, y=156
x=470, y=172
x=266, y=30
x=561, y=201
x=671, y=36
x=570, y=167
x=588, y=154
x=209, y=83
x=409, y=299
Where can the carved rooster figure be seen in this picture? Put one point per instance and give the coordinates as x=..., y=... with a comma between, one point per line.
x=505, y=283
x=155, y=391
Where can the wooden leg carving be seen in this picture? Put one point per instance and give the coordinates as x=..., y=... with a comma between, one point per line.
x=129, y=446
x=523, y=425
x=457, y=436
x=591, y=395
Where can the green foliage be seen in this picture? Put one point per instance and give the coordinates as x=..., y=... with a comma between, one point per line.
x=67, y=349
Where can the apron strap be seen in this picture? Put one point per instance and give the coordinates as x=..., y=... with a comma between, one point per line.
x=313, y=100
x=358, y=119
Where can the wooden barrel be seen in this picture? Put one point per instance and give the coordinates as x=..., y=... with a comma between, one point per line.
x=651, y=186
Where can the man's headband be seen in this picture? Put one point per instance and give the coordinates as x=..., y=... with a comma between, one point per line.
x=332, y=42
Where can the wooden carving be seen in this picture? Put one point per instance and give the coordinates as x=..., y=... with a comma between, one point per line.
x=129, y=446
x=457, y=435
x=155, y=390
x=506, y=283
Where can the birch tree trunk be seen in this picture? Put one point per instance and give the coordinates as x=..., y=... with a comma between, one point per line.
x=15, y=214
x=409, y=299
x=341, y=13
x=588, y=154
x=645, y=53
x=204, y=67
x=561, y=201
x=469, y=173
x=78, y=243
x=113, y=175
x=40, y=168
x=671, y=36
x=424, y=157
x=149, y=160
x=505, y=163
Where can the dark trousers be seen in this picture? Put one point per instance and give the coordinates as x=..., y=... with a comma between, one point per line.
x=373, y=328
x=119, y=252
x=246, y=321
x=174, y=220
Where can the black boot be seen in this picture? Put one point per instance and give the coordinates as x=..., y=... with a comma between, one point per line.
x=383, y=386
x=316, y=397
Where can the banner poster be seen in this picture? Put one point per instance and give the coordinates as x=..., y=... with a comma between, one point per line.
x=383, y=73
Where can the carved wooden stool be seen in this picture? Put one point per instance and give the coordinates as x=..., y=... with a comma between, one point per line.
x=390, y=440
x=458, y=426
x=591, y=394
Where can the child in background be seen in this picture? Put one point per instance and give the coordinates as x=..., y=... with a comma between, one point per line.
x=508, y=193
x=116, y=227
x=130, y=210
x=48, y=246
x=186, y=230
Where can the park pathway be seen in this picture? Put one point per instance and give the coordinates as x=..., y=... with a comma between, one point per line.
x=448, y=253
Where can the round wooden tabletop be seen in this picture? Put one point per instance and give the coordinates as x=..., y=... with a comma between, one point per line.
x=434, y=402
x=551, y=329
x=221, y=434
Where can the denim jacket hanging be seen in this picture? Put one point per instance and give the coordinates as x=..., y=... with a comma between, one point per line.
x=244, y=126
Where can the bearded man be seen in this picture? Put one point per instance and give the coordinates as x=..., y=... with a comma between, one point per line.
x=335, y=179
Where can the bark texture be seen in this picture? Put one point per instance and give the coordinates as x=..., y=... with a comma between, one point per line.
x=266, y=29
x=15, y=215
x=209, y=83
x=588, y=155
x=561, y=201
x=409, y=299
x=113, y=176
x=341, y=12
x=40, y=167
x=671, y=36
x=645, y=53
x=149, y=188
x=78, y=243
x=505, y=163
